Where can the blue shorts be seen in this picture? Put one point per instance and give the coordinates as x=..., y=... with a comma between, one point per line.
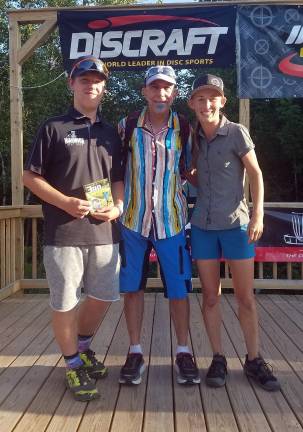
x=174, y=259
x=216, y=244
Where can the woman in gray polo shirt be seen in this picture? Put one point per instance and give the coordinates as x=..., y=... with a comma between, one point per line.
x=221, y=227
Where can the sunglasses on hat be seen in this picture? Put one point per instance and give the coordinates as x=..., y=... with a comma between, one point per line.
x=89, y=64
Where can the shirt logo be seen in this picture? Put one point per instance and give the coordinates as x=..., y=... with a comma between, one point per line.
x=72, y=139
x=226, y=164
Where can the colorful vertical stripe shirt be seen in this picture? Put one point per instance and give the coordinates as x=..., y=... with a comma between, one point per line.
x=154, y=198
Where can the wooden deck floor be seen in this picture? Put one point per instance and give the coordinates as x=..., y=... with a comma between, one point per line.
x=33, y=396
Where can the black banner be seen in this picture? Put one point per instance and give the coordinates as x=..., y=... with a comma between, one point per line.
x=282, y=239
x=136, y=39
x=270, y=50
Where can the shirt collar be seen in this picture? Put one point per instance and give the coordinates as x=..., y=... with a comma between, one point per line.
x=77, y=115
x=173, y=120
x=222, y=129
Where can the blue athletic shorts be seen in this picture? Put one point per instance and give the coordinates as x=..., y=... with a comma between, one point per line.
x=216, y=244
x=173, y=256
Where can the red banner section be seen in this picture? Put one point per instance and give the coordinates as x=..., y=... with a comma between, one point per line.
x=279, y=254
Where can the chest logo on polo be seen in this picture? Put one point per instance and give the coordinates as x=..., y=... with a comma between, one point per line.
x=226, y=164
x=71, y=139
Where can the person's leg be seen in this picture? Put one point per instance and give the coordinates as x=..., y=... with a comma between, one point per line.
x=65, y=331
x=133, y=276
x=64, y=270
x=101, y=285
x=175, y=264
x=240, y=256
x=90, y=314
x=134, y=309
x=206, y=250
x=209, y=273
x=243, y=275
x=179, y=311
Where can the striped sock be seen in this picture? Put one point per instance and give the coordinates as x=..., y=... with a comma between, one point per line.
x=84, y=342
x=73, y=361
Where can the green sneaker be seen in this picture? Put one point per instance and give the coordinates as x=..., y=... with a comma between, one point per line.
x=81, y=385
x=92, y=365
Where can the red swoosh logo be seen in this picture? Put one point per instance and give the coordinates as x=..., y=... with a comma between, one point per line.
x=134, y=19
x=289, y=68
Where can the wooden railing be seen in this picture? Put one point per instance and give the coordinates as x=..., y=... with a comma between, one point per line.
x=21, y=256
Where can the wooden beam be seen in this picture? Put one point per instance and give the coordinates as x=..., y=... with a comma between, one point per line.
x=9, y=290
x=27, y=16
x=35, y=40
x=244, y=118
x=16, y=113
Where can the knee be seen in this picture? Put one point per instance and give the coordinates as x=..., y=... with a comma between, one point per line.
x=210, y=301
x=246, y=302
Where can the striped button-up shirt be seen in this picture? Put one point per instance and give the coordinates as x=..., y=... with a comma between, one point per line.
x=154, y=197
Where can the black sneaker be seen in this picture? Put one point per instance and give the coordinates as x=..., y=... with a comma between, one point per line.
x=81, y=385
x=216, y=374
x=261, y=373
x=187, y=371
x=93, y=366
x=132, y=370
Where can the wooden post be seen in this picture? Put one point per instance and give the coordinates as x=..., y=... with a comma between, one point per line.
x=244, y=118
x=16, y=139
x=16, y=113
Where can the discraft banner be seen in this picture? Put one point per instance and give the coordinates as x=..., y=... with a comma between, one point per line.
x=270, y=51
x=136, y=39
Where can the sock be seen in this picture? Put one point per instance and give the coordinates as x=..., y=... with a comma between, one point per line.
x=84, y=342
x=73, y=361
x=135, y=349
x=182, y=349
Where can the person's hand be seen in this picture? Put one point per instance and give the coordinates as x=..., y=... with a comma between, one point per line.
x=255, y=228
x=76, y=207
x=106, y=213
x=191, y=176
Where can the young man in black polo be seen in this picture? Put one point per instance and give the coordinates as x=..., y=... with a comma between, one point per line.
x=80, y=250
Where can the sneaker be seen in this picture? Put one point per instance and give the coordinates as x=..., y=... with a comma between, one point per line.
x=187, y=371
x=216, y=374
x=92, y=365
x=81, y=385
x=131, y=372
x=261, y=373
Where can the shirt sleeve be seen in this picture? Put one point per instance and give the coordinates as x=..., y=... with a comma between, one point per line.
x=40, y=150
x=243, y=141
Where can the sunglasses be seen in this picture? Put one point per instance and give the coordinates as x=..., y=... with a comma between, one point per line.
x=166, y=70
x=87, y=64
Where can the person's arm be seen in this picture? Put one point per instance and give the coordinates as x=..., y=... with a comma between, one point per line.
x=110, y=213
x=255, y=226
x=78, y=208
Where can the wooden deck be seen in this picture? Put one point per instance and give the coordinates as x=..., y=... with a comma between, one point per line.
x=33, y=396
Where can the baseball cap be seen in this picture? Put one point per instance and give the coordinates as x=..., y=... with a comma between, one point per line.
x=207, y=81
x=87, y=64
x=165, y=73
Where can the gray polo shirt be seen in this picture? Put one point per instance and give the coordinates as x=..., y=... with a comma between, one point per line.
x=220, y=202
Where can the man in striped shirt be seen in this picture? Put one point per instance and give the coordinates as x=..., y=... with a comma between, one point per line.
x=155, y=214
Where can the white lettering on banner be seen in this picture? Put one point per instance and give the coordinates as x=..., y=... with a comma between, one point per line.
x=152, y=39
x=112, y=43
x=74, y=47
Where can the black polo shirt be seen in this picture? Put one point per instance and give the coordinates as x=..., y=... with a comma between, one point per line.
x=69, y=152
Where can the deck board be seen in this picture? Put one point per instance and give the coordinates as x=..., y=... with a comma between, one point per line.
x=33, y=397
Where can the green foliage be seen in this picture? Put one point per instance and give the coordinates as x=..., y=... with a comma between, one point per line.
x=276, y=125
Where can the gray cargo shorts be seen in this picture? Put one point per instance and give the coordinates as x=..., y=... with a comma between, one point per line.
x=71, y=268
